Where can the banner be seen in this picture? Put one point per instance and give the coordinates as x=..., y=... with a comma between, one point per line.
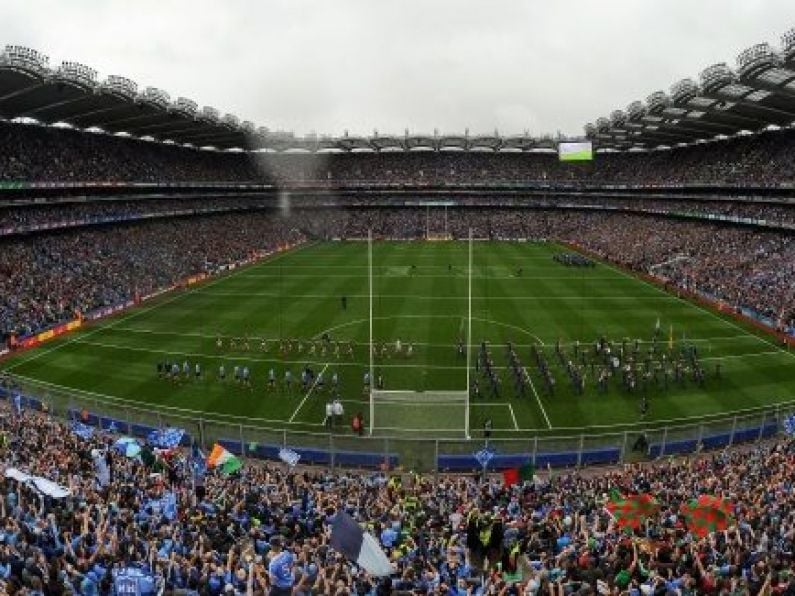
x=43, y=485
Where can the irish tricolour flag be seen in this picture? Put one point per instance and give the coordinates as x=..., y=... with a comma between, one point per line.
x=221, y=458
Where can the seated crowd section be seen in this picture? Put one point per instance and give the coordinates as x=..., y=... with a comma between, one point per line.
x=45, y=154
x=162, y=518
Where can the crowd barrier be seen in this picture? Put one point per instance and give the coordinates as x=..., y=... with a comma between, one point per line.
x=421, y=453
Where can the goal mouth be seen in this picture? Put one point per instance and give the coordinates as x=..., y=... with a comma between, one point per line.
x=422, y=412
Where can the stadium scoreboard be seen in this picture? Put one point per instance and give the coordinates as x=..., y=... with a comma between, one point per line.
x=581, y=151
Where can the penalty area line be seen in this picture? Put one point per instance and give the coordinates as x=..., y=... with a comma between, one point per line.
x=540, y=405
x=513, y=417
x=308, y=393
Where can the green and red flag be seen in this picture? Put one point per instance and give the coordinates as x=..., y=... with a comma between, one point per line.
x=632, y=510
x=707, y=514
x=513, y=476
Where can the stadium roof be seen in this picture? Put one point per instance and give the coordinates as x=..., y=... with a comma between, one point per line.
x=73, y=94
x=758, y=93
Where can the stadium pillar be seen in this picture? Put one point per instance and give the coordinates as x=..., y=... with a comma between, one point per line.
x=664, y=439
x=242, y=442
x=535, y=449
x=734, y=429
x=579, y=451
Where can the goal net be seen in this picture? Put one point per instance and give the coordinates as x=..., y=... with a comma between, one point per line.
x=436, y=412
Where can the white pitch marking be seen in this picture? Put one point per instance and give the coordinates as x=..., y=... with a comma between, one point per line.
x=308, y=393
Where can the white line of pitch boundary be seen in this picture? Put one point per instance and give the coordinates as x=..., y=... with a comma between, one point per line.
x=420, y=297
x=453, y=275
x=513, y=417
x=204, y=355
x=308, y=393
x=540, y=405
x=206, y=415
x=220, y=418
x=583, y=343
x=136, y=313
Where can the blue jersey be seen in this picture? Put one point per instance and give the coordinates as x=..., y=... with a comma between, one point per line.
x=281, y=570
x=133, y=582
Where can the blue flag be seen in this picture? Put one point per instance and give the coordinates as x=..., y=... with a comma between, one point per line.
x=484, y=456
x=166, y=438
x=198, y=462
x=165, y=506
x=84, y=431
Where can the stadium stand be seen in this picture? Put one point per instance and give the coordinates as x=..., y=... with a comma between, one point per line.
x=761, y=160
x=185, y=530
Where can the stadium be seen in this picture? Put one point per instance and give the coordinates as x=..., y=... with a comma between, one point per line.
x=523, y=363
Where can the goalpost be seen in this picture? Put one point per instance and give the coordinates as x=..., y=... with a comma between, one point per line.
x=439, y=410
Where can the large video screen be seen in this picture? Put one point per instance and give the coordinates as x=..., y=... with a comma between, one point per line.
x=575, y=151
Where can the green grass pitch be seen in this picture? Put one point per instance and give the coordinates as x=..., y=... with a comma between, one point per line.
x=420, y=297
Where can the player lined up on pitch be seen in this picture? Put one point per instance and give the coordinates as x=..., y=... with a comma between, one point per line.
x=243, y=376
x=323, y=347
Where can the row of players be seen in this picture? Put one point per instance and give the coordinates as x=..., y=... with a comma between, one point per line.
x=242, y=375
x=313, y=347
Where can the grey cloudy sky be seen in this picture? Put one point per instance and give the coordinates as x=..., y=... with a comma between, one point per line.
x=331, y=65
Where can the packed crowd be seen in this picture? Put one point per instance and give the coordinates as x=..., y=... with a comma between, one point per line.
x=50, y=278
x=162, y=519
x=38, y=215
x=68, y=214
x=46, y=154
x=759, y=160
